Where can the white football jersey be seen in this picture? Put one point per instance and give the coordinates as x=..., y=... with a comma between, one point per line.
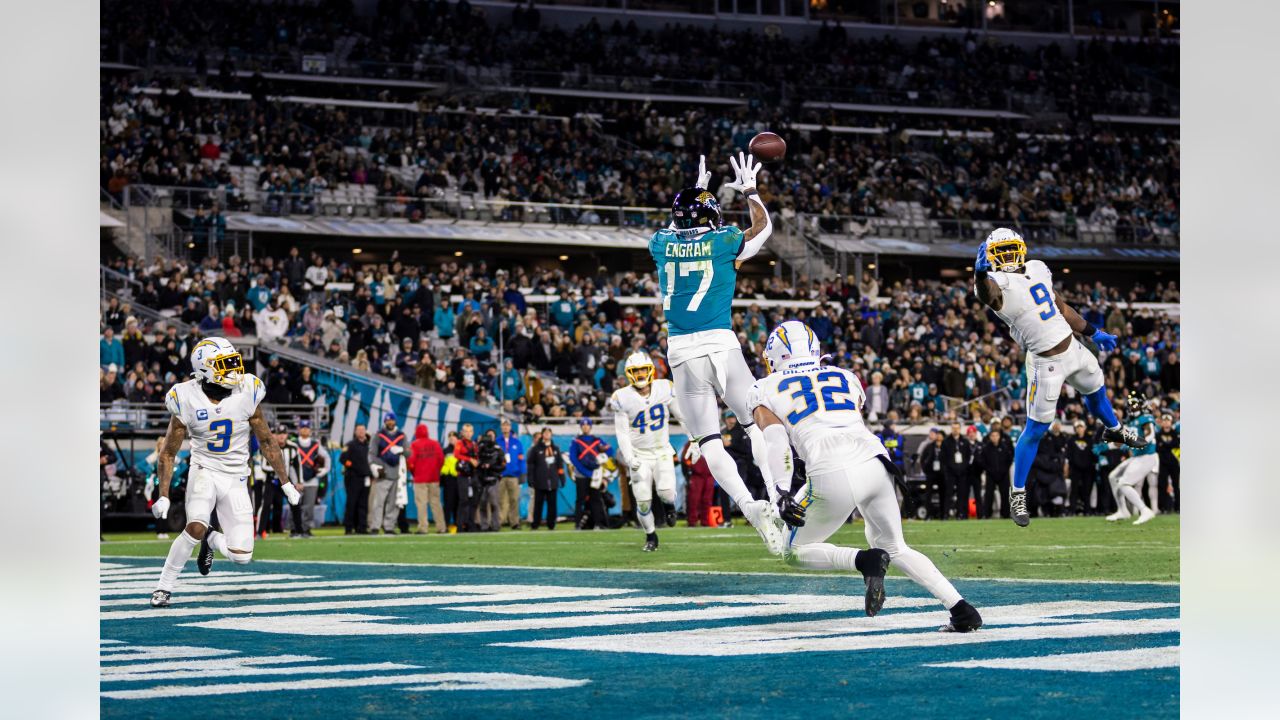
x=1030, y=308
x=821, y=408
x=219, y=432
x=648, y=418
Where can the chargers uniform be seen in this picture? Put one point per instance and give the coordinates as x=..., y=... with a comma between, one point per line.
x=642, y=425
x=1030, y=310
x=219, y=435
x=847, y=466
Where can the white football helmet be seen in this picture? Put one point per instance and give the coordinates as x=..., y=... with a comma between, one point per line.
x=790, y=342
x=639, y=369
x=215, y=360
x=1006, y=250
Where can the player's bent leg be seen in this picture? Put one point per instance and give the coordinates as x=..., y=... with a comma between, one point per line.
x=1114, y=477
x=828, y=501
x=738, y=382
x=1024, y=455
x=642, y=491
x=179, y=554
x=664, y=486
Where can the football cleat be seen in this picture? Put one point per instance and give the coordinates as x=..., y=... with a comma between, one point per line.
x=1124, y=436
x=1018, y=508
x=1121, y=514
x=873, y=564
x=204, y=561
x=671, y=514
x=964, y=618
x=763, y=516
x=160, y=598
x=651, y=542
x=1144, y=516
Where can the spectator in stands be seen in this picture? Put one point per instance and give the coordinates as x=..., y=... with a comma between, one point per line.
x=513, y=471
x=546, y=477
x=384, y=460
x=426, y=458
x=357, y=478
x=110, y=349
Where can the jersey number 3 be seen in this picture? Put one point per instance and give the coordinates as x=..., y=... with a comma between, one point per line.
x=831, y=384
x=221, y=441
x=656, y=418
x=1040, y=294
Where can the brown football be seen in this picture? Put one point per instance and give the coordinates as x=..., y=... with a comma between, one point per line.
x=768, y=147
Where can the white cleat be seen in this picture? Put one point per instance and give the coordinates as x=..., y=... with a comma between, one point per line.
x=1119, y=515
x=1144, y=515
x=764, y=517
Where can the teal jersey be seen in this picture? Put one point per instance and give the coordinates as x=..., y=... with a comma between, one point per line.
x=1141, y=423
x=697, y=278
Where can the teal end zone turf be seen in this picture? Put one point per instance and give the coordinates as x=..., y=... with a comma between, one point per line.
x=319, y=640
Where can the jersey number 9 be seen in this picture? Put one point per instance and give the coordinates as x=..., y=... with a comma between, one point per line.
x=831, y=383
x=1040, y=294
x=653, y=420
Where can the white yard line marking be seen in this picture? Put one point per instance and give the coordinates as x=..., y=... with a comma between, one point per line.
x=1094, y=662
x=463, y=594
x=763, y=559
x=361, y=591
x=197, y=579
x=210, y=664
x=138, y=653
x=423, y=682
x=228, y=584
x=202, y=671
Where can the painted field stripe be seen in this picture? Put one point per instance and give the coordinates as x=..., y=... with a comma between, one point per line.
x=796, y=603
x=434, y=681
x=464, y=594
x=1095, y=662
x=228, y=584
x=354, y=624
x=110, y=642
x=288, y=595
x=253, y=671
x=763, y=560
x=137, y=653
x=117, y=572
x=111, y=566
x=211, y=664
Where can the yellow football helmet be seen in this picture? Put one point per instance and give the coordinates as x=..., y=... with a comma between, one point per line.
x=639, y=369
x=1006, y=250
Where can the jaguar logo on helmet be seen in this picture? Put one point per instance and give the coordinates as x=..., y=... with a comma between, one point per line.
x=215, y=360
x=1006, y=250
x=639, y=369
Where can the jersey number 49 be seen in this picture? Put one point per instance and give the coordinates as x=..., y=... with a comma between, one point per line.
x=654, y=419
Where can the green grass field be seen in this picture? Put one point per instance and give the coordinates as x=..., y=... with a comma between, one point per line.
x=1050, y=549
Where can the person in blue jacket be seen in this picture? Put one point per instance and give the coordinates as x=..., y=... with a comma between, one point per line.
x=509, y=486
x=588, y=452
x=894, y=443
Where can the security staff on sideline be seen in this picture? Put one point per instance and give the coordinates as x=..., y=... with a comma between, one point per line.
x=384, y=459
x=313, y=469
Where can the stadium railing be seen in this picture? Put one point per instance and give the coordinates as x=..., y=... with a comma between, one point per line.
x=153, y=418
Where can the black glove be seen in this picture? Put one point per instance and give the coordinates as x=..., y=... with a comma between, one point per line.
x=792, y=512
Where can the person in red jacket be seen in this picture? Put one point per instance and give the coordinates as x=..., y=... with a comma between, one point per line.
x=701, y=486
x=425, y=460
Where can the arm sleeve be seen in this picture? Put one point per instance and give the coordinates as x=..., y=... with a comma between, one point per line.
x=752, y=246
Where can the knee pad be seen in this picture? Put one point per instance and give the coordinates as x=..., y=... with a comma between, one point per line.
x=643, y=507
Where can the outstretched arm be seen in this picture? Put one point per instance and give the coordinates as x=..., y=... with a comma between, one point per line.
x=983, y=286
x=1104, y=340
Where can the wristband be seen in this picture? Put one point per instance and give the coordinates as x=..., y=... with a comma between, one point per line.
x=749, y=192
x=1089, y=330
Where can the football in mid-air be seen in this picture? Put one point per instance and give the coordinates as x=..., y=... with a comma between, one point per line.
x=768, y=147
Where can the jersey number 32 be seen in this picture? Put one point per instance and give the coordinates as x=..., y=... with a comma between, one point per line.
x=834, y=387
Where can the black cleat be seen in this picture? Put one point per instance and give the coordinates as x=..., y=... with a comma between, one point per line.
x=671, y=514
x=1018, y=508
x=160, y=598
x=204, y=561
x=651, y=542
x=1124, y=436
x=873, y=564
x=964, y=618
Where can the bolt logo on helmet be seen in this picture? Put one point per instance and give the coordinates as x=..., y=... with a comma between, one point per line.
x=214, y=360
x=1006, y=251
x=639, y=369
x=789, y=343
x=695, y=210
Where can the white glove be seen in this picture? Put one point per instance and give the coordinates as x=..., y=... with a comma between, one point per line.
x=377, y=471
x=745, y=169
x=397, y=450
x=290, y=493
x=160, y=508
x=704, y=175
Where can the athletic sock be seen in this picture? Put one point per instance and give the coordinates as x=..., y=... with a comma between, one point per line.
x=760, y=454
x=645, y=517
x=1100, y=406
x=922, y=570
x=725, y=471
x=1135, y=499
x=825, y=556
x=1024, y=453
x=179, y=554
x=218, y=541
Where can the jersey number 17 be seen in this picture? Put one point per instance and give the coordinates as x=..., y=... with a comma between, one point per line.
x=706, y=267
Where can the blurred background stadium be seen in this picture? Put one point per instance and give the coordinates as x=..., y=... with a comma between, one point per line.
x=440, y=209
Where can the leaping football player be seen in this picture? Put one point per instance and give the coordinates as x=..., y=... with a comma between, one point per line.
x=216, y=408
x=1021, y=294
x=697, y=259
x=819, y=410
x=1134, y=470
x=641, y=418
